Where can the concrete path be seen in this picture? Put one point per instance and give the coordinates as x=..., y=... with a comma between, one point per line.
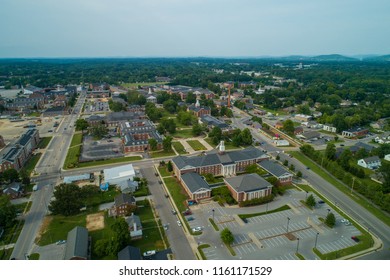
x=207, y=145
x=188, y=148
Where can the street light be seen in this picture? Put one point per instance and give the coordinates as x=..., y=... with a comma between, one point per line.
x=306, y=194
x=288, y=222
x=213, y=213
x=315, y=244
x=297, y=245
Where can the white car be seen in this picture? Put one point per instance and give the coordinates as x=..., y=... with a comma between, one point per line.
x=149, y=253
x=179, y=223
x=196, y=229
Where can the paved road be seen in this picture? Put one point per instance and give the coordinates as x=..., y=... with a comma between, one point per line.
x=177, y=240
x=49, y=166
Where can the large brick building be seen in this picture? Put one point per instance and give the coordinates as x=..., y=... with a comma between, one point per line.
x=198, y=110
x=17, y=154
x=136, y=134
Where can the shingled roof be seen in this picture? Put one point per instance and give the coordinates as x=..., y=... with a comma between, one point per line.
x=248, y=183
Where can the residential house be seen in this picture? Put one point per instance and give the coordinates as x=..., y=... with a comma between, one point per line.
x=370, y=162
x=279, y=125
x=123, y=203
x=284, y=177
x=127, y=186
x=330, y=128
x=248, y=187
x=298, y=130
x=77, y=244
x=355, y=132
x=387, y=157
x=130, y=253
x=135, y=226
x=361, y=145
x=302, y=117
x=13, y=190
x=310, y=135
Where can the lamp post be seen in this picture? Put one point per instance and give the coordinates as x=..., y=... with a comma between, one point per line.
x=288, y=222
x=297, y=245
x=315, y=243
x=306, y=194
x=213, y=213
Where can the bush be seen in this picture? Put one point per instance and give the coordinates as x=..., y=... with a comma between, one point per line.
x=256, y=201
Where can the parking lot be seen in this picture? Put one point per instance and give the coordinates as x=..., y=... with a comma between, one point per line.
x=275, y=235
x=101, y=149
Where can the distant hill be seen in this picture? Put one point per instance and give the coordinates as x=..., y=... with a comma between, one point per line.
x=380, y=58
x=333, y=57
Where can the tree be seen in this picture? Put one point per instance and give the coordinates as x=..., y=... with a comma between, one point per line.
x=11, y=175
x=299, y=174
x=310, y=201
x=304, y=109
x=186, y=118
x=102, y=247
x=191, y=98
x=167, y=125
x=277, y=157
x=385, y=171
x=153, y=144
x=170, y=105
x=285, y=162
x=167, y=144
x=98, y=131
x=169, y=166
x=330, y=151
x=68, y=200
x=288, y=127
x=216, y=135
x=292, y=167
x=330, y=220
x=81, y=124
x=246, y=137
x=8, y=211
x=227, y=236
x=116, y=106
x=121, y=234
x=197, y=129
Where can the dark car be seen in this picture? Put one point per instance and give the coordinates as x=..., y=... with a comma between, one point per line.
x=321, y=202
x=354, y=238
x=190, y=218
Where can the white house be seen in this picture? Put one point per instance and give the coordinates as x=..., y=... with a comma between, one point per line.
x=328, y=127
x=370, y=162
x=387, y=157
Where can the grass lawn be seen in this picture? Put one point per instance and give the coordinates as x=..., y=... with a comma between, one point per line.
x=180, y=125
x=142, y=191
x=30, y=165
x=72, y=157
x=363, y=202
x=177, y=193
x=184, y=133
x=228, y=145
x=95, y=162
x=77, y=139
x=59, y=227
x=44, y=142
x=163, y=171
x=179, y=148
x=6, y=254
x=196, y=145
x=203, y=246
x=162, y=154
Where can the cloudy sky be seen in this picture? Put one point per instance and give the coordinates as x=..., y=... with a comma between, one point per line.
x=176, y=28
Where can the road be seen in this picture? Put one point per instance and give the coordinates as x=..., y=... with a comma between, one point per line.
x=341, y=200
x=49, y=167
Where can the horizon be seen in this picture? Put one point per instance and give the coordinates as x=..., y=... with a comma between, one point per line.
x=192, y=28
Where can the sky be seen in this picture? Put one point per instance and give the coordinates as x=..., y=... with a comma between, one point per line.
x=181, y=28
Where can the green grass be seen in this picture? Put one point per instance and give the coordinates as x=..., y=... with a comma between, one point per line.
x=358, y=199
x=200, y=249
x=177, y=193
x=299, y=256
x=163, y=171
x=228, y=145
x=100, y=197
x=282, y=208
x=96, y=162
x=6, y=254
x=196, y=145
x=30, y=164
x=77, y=139
x=44, y=142
x=142, y=191
x=179, y=148
x=162, y=154
x=230, y=249
x=60, y=226
x=34, y=256
x=72, y=157
x=213, y=224
x=184, y=133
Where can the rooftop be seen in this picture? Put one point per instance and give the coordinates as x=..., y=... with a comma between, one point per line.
x=248, y=183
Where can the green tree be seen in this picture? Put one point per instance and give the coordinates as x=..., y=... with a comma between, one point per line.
x=116, y=106
x=167, y=144
x=246, y=137
x=304, y=109
x=277, y=157
x=98, y=131
x=330, y=151
x=102, y=247
x=385, y=171
x=216, y=135
x=288, y=127
x=227, y=236
x=121, y=234
x=68, y=200
x=330, y=220
x=81, y=124
x=167, y=125
x=11, y=175
x=191, y=98
x=169, y=166
x=7, y=211
x=197, y=129
x=153, y=144
x=292, y=167
x=186, y=118
x=310, y=201
x=299, y=174
x=285, y=162
x=170, y=105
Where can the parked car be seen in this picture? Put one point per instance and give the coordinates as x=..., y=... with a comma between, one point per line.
x=174, y=212
x=354, y=238
x=197, y=229
x=190, y=218
x=149, y=253
x=59, y=242
x=321, y=202
x=178, y=223
x=187, y=212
